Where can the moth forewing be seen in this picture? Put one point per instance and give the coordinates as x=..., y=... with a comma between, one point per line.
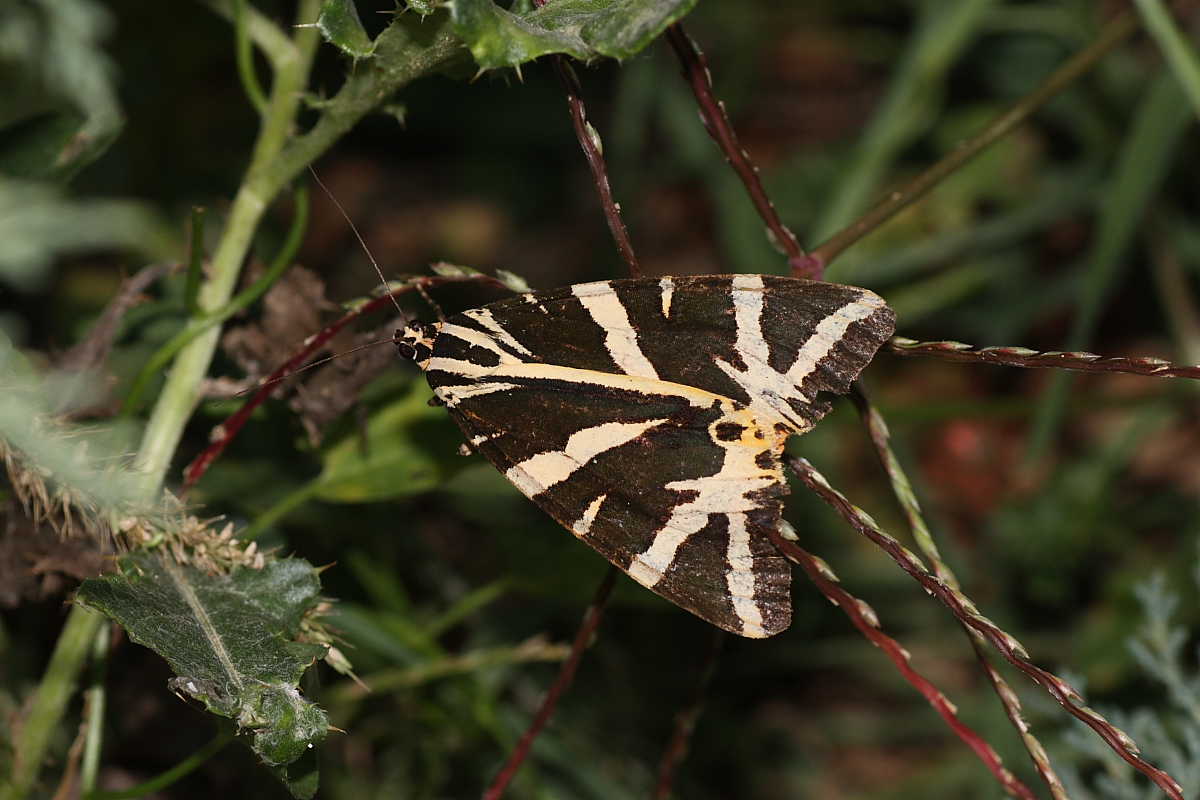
x=648, y=416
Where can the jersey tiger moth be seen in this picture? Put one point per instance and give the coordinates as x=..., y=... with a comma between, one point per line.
x=648, y=417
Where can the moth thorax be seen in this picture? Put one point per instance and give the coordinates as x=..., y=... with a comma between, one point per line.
x=415, y=341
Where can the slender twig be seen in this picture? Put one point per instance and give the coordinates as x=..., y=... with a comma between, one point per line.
x=1179, y=52
x=865, y=619
x=95, y=707
x=587, y=629
x=685, y=720
x=268, y=37
x=243, y=300
x=1178, y=301
x=694, y=65
x=165, y=779
x=93, y=350
x=901, y=487
x=966, y=612
x=180, y=393
x=1024, y=357
x=589, y=140
x=375, y=684
x=195, y=268
x=245, y=59
x=1113, y=34
x=225, y=433
x=56, y=688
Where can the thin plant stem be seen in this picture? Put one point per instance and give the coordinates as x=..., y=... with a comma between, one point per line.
x=1174, y=293
x=1113, y=34
x=1179, y=52
x=245, y=58
x=230, y=427
x=587, y=629
x=243, y=300
x=175, y=403
x=880, y=437
x=375, y=684
x=181, y=390
x=1034, y=359
x=175, y=773
x=589, y=141
x=966, y=612
x=685, y=719
x=96, y=704
x=195, y=268
x=944, y=29
x=694, y=65
x=865, y=619
x=1159, y=123
x=268, y=37
x=50, y=700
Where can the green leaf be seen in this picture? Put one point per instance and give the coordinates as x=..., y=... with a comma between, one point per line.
x=409, y=447
x=341, y=27
x=61, y=109
x=38, y=223
x=229, y=639
x=583, y=29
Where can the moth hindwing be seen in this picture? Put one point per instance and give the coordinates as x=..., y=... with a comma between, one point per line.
x=648, y=417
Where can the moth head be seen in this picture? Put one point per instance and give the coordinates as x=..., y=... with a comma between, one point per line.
x=415, y=341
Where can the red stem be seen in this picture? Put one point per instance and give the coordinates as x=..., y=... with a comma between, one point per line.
x=685, y=720
x=716, y=122
x=591, y=621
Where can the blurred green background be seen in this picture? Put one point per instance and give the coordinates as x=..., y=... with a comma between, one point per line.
x=1051, y=498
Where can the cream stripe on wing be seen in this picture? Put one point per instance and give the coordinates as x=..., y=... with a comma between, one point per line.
x=479, y=339
x=725, y=492
x=453, y=395
x=584, y=377
x=537, y=474
x=620, y=339
x=740, y=578
x=828, y=333
x=747, y=311
x=667, y=287
x=583, y=525
x=485, y=318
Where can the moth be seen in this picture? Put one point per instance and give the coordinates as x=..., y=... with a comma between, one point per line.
x=648, y=417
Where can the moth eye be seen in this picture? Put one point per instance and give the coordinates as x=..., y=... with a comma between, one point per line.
x=406, y=350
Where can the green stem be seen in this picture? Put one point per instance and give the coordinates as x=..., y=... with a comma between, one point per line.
x=265, y=34
x=95, y=706
x=273, y=164
x=50, y=701
x=1112, y=35
x=944, y=29
x=165, y=779
x=245, y=58
x=181, y=391
x=1180, y=54
x=278, y=511
x=1152, y=145
x=196, y=261
x=247, y=297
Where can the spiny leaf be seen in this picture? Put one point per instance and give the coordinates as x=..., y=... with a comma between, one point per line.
x=583, y=29
x=229, y=639
x=341, y=27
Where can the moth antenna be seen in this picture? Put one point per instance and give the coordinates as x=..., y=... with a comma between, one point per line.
x=316, y=363
x=382, y=280
x=437, y=309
